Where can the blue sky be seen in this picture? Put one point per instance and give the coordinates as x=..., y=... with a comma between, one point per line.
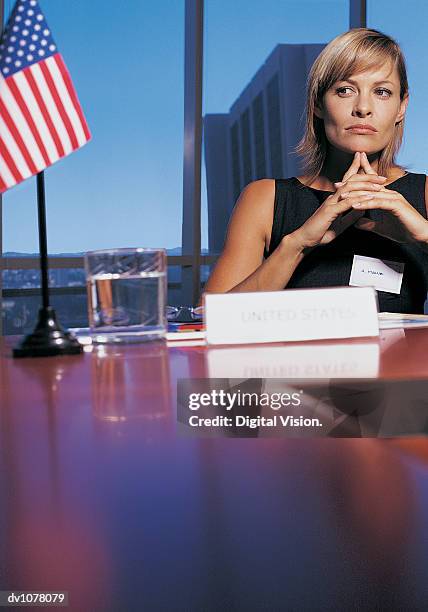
x=126, y=60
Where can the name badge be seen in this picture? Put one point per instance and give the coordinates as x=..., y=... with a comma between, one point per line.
x=291, y=315
x=380, y=274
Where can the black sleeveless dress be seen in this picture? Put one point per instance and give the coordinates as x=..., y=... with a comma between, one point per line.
x=330, y=265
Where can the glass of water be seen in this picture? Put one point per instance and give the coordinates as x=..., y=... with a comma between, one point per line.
x=126, y=294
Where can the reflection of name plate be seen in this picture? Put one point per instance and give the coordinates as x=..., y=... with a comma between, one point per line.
x=291, y=315
x=356, y=360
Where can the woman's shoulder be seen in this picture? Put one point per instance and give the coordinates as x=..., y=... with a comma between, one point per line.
x=257, y=196
x=261, y=195
x=266, y=188
x=255, y=205
x=261, y=187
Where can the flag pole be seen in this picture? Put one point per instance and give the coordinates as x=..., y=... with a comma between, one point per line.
x=48, y=337
x=43, y=242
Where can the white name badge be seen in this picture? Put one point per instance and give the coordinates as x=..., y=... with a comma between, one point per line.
x=381, y=274
x=291, y=315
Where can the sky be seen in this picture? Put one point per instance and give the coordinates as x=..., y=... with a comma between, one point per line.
x=126, y=59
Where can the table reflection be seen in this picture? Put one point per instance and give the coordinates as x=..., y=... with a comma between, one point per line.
x=49, y=539
x=130, y=386
x=309, y=360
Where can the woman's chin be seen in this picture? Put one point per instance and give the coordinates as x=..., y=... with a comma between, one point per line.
x=351, y=150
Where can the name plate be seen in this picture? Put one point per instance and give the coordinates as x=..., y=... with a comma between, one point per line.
x=357, y=359
x=291, y=315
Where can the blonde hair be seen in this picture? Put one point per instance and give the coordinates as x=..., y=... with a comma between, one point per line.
x=349, y=53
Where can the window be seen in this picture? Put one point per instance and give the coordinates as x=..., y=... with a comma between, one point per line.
x=256, y=59
x=125, y=187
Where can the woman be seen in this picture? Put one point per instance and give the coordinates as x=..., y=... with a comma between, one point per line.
x=353, y=199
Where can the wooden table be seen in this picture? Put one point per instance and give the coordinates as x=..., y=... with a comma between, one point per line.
x=102, y=498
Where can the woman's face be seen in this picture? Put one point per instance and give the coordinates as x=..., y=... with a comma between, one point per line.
x=370, y=98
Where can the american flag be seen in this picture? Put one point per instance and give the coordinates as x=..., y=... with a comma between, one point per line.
x=41, y=120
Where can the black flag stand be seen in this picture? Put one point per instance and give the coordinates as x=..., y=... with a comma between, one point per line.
x=48, y=337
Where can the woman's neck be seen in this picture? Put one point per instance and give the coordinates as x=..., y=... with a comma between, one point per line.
x=337, y=163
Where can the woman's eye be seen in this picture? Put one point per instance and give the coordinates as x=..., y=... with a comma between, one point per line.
x=341, y=90
x=384, y=93
x=382, y=90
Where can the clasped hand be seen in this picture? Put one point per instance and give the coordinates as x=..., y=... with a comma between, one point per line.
x=362, y=189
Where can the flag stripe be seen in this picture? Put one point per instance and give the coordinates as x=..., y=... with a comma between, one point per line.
x=29, y=120
x=35, y=112
x=21, y=125
x=45, y=92
x=3, y=185
x=72, y=93
x=68, y=104
x=34, y=88
x=10, y=162
x=6, y=174
x=17, y=137
x=54, y=91
x=13, y=149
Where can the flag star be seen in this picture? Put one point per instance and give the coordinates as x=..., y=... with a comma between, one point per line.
x=27, y=22
x=39, y=17
x=12, y=38
x=37, y=27
x=30, y=12
x=18, y=18
x=8, y=60
x=15, y=28
x=20, y=9
x=41, y=52
x=30, y=57
x=52, y=47
x=33, y=3
x=32, y=47
x=46, y=32
x=44, y=42
x=5, y=70
x=17, y=63
x=34, y=37
x=22, y=43
x=11, y=49
x=25, y=32
x=20, y=53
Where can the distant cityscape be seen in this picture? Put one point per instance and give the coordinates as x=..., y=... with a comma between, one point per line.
x=19, y=312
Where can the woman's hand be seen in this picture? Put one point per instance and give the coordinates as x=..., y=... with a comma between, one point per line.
x=328, y=221
x=402, y=224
